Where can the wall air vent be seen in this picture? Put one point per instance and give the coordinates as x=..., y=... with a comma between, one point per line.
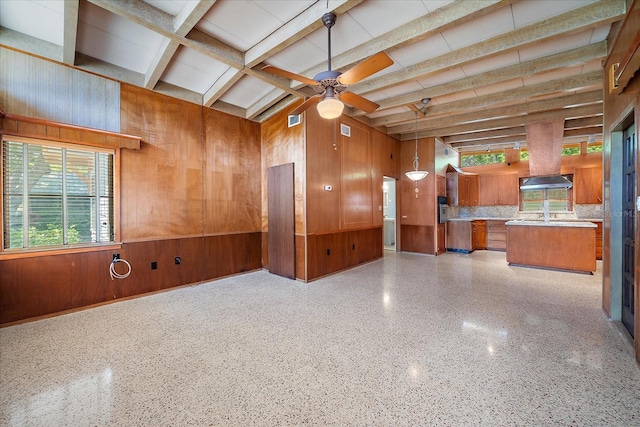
x=345, y=130
x=293, y=120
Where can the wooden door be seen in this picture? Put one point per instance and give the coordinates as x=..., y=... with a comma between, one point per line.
x=628, y=226
x=281, y=221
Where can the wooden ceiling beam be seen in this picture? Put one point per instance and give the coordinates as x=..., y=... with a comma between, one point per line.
x=569, y=58
x=472, y=136
x=70, y=26
x=190, y=14
x=560, y=114
x=589, y=16
x=503, y=111
x=594, y=78
x=296, y=29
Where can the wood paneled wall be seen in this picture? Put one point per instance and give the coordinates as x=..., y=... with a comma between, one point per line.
x=616, y=107
x=39, y=286
x=192, y=190
x=35, y=87
x=280, y=145
x=332, y=252
x=418, y=214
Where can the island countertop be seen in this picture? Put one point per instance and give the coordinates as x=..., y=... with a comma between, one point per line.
x=585, y=224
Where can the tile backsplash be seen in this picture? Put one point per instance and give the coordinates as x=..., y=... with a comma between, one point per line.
x=579, y=212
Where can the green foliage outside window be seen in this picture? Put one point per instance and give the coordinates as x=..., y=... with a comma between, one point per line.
x=594, y=148
x=570, y=151
x=481, y=159
x=524, y=155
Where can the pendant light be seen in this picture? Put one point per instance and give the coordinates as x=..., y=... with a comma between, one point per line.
x=416, y=174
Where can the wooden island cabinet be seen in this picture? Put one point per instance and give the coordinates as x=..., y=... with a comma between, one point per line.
x=557, y=245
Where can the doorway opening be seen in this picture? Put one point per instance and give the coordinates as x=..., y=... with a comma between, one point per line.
x=389, y=213
x=629, y=197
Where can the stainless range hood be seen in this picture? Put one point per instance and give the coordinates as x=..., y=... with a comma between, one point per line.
x=545, y=182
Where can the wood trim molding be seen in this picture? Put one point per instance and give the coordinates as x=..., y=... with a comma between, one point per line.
x=45, y=129
x=5, y=255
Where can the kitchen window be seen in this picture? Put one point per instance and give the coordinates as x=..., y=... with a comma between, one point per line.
x=56, y=194
x=560, y=199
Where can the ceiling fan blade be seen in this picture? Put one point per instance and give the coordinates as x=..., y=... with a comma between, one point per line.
x=288, y=74
x=369, y=66
x=306, y=104
x=359, y=102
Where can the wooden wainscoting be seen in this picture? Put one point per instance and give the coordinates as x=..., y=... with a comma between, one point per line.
x=418, y=238
x=332, y=252
x=38, y=286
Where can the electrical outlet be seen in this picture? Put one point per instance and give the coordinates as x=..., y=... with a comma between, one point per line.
x=116, y=256
x=154, y=265
x=177, y=260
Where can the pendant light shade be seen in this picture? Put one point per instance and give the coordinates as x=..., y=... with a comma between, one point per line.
x=416, y=174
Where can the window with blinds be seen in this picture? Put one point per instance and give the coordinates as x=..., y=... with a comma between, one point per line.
x=560, y=199
x=55, y=194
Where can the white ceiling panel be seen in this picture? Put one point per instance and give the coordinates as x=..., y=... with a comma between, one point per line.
x=345, y=35
x=555, y=45
x=225, y=18
x=383, y=113
x=442, y=77
x=421, y=51
x=465, y=94
x=527, y=12
x=491, y=63
x=432, y=5
x=299, y=57
x=401, y=89
x=378, y=17
x=113, y=39
x=285, y=10
x=499, y=87
x=43, y=20
x=192, y=70
x=246, y=92
x=479, y=29
x=599, y=34
x=553, y=75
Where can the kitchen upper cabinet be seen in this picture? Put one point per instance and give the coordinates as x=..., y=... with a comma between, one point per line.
x=587, y=186
x=498, y=190
x=462, y=189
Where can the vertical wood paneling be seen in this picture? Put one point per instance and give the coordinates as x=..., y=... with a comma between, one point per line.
x=420, y=210
x=9, y=291
x=323, y=168
x=418, y=238
x=161, y=195
x=282, y=144
x=232, y=188
x=42, y=89
x=30, y=294
x=191, y=254
x=356, y=177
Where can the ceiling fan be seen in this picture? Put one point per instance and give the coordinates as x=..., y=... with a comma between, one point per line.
x=332, y=85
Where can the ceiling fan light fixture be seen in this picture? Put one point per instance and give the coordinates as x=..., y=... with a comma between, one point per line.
x=330, y=108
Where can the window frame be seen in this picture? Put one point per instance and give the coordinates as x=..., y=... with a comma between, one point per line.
x=9, y=253
x=569, y=197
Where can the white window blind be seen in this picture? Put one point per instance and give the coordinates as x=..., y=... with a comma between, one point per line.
x=56, y=195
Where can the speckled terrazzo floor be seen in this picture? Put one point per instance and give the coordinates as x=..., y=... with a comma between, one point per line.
x=459, y=340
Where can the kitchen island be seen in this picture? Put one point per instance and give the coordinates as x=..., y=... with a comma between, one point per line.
x=555, y=244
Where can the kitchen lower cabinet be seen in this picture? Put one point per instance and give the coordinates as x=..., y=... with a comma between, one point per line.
x=479, y=231
x=496, y=235
x=459, y=237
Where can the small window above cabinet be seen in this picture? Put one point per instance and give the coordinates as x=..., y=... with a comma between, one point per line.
x=462, y=189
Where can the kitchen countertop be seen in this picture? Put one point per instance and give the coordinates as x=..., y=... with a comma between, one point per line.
x=555, y=220
x=581, y=223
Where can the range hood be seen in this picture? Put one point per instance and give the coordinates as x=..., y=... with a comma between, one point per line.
x=545, y=149
x=544, y=182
